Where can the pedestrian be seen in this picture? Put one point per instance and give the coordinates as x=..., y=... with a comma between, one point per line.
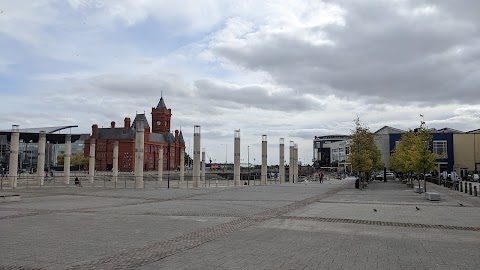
x=321, y=177
x=77, y=182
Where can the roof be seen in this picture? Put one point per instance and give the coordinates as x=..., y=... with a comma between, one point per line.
x=445, y=130
x=119, y=134
x=116, y=134
x=389, y=130
x=474, y=131
x=180, y=137
x=47, y=130
x=161, y=104
x=164, y=137
x=333, y=137
x=32, y=134
x=51, y=137
x=141, y=117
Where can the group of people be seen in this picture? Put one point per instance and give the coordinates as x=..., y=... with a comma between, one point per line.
x=319, y=177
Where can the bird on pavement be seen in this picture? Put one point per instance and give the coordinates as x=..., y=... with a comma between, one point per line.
x=417, y=208
x=460, y=204
x=375, y=210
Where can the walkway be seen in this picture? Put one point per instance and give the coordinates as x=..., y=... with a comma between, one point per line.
x=292, y=226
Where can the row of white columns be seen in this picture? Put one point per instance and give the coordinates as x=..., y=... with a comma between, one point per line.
x=198, y=172
x=42, y=140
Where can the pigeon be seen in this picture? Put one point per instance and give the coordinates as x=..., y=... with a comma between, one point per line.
x=375, y=210
x=460, y=204
x=417, y=208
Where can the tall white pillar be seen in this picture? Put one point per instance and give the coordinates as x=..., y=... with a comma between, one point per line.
x=160, y=164
x=295, y=163
x=139, y=145
x=115, y=161
x=42, y=140
x=66, y=160
x=182, y=164
x=264, y=160
x=13, y=165
x=281, y=164
x=196, y=156
x=236, y=158
x=290, y=164
x=91, y=162
x=203, y=166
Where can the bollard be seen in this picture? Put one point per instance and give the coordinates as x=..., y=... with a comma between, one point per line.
x=461, y=186
x=475, y=192
x=469, y=188
x=466, y=188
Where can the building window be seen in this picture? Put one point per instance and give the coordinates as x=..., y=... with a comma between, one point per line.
x=101, y=146
x=440, y=148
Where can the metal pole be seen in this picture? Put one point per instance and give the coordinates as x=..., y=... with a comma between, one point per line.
x=168, y=167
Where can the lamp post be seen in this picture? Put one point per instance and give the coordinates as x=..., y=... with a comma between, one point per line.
x=225, y=155
x=248, y=163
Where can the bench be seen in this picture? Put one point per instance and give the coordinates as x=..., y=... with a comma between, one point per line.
x=10, y=198
x=432, y=196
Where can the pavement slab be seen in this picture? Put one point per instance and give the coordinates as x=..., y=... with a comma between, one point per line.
x=291, y=226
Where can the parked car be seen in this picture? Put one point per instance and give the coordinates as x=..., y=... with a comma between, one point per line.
x=390, y=176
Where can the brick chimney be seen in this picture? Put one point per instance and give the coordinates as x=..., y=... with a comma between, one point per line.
x=112, y=124
x=126, y=124
x=94, y=131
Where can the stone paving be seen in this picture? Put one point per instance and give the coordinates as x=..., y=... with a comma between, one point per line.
x=292, y=226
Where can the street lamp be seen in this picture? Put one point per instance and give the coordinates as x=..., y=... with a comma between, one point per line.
x=225, y=155
x=248, y=163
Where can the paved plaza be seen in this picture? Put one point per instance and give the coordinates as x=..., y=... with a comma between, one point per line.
x=292, y=226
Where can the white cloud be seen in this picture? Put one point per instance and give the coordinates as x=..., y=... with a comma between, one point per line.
x=292, y=69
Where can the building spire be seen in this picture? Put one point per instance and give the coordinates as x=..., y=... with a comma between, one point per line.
x=161, y=103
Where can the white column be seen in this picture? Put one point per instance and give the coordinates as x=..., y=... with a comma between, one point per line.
x=203, y=166
x=91, y=162
x=196, y=156
x=13, y=165
x=66, y=160
x=42, y=140
x=295, y=163
x=139, y=145
x=290, y=165
x=182, y=164
x=115, y=161
x=264, y=160
x=236, y=158
x=281, y=164
x=160, y=165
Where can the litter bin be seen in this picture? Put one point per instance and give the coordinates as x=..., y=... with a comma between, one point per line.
x=357, y=183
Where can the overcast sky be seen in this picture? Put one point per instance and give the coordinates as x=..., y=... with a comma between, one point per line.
x=291, y=69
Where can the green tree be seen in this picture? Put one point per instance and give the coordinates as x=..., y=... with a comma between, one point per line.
x=365, y=156
x=413, y=154
x=61, y=159
x=79, y=160
x=403, y=160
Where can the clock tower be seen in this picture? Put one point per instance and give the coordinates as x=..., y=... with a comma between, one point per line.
x=161, y=118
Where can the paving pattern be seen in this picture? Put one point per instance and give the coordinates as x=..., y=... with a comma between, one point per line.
x=301, y=226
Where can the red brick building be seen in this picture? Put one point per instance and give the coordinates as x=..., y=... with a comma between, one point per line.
x=157, y=137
